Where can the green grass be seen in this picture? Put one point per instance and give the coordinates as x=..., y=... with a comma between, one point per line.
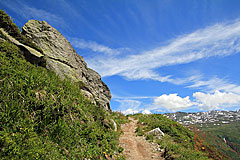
x=172, y=128
x=178, y=142
x=43, y=117
x=179, y=151
x=230, y=132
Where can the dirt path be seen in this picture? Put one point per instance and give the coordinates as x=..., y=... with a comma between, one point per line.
x=136, y=148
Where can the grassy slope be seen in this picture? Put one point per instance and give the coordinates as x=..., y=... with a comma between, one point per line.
x=43, y=117
x=179, y=141
x=228, y=131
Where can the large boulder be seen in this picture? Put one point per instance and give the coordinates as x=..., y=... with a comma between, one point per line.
x=156, y=132
x=63, y=59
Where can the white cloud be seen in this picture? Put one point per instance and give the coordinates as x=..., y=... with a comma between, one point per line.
x=130, y=111
x=217, y=40
x=146, y=112
x=131, y=106
x=204, y=101
x=214, y=84
x=39, y=14
x=133, y=97
x=126, y=104
x=217, y=100
x=210, y=84
x=173, y=102
x=82, y=44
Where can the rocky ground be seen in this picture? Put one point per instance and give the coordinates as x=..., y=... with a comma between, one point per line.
x=137, y=148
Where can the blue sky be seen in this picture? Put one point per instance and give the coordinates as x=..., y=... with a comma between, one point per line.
x=155, y=55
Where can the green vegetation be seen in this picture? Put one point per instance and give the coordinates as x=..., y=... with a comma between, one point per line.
x=179, y=150
x=215, y=135
x=172, y=128
x=43, y=117
x=178, y=142
x=229, y=131
x=119, y=118
x=12, y=29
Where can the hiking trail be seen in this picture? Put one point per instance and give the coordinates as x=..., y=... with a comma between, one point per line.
x=136, y=147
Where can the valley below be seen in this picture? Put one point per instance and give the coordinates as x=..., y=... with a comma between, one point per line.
x=219, y=128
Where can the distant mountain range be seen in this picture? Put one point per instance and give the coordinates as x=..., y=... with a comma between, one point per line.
x=213, y=117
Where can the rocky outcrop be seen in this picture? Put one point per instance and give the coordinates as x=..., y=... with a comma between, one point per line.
x=63, y=59
x=30, y=54
x=156, y=132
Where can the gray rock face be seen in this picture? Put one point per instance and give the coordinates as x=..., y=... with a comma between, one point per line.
x=30, y=54
x=63, y=59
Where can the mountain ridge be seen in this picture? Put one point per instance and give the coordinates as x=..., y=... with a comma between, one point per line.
x=214, y=117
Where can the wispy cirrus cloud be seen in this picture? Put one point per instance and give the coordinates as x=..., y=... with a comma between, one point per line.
x=39, y=14
x=133, y=97
x=219, y=40
x=28, y=12
x=95, y=47
x=213, y=84
x=133, y=105
x=130, y=111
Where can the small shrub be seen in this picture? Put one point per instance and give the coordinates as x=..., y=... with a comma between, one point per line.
x=149, y=137
x=120, y=149
x=139, y=131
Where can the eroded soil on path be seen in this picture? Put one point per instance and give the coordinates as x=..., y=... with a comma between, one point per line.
x=136, y=147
